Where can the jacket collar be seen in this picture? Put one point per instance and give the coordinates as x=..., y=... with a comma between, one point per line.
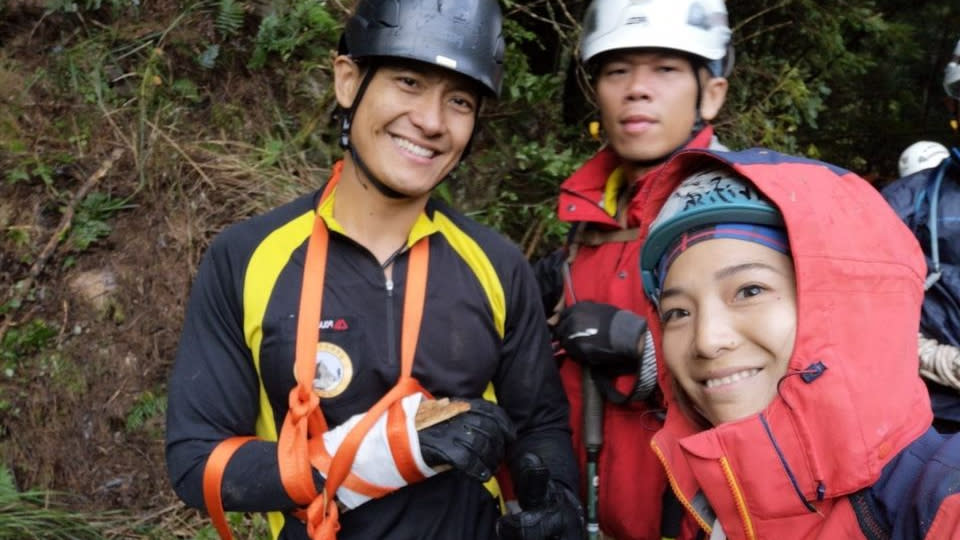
x=591, y=192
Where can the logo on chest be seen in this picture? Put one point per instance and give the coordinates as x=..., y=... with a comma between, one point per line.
x=334, y=370
x=338, y=324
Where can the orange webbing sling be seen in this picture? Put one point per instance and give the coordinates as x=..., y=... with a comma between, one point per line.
x=300, y=446
x=213, y=477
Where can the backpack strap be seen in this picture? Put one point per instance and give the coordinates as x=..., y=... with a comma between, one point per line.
x=581, y=235
x=577, y=236
x=593, y=237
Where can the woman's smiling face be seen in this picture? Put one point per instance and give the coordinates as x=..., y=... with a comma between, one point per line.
x=729, y=317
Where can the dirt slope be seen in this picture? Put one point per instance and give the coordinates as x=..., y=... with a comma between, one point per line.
x=96, y=254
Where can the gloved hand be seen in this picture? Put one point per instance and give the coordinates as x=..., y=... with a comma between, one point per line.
x=549, y=510
x=473, y=442
x=601, y=335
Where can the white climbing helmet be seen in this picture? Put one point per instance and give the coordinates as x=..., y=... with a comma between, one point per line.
x=921, y=155
x=697, y=27
x=951, y=75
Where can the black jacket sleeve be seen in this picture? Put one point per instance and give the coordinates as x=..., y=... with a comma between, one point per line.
x=213, y=394
x=528, y=383
x=549, y=276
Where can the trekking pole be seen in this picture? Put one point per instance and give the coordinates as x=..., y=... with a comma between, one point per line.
x=592, y=429
x=593, y=437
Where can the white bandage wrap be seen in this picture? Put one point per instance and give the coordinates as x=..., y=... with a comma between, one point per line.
x=374, y=461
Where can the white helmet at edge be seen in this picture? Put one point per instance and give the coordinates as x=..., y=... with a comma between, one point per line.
x=697, y=27
x=951, y=75
x=921, y=155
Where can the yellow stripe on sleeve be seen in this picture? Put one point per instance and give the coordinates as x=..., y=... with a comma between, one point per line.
x=268, y=260
x=480, y=264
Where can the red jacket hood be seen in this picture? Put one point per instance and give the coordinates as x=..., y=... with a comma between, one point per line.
x=852, y=397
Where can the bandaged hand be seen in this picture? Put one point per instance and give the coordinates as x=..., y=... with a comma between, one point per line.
x=374, y=461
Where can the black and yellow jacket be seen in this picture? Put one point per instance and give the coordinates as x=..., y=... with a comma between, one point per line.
x=483, y=334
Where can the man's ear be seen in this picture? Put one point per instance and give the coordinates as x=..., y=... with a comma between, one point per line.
x=714, y=94
x=346, y=79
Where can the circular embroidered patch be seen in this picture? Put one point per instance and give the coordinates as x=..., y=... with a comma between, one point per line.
x=334, y=370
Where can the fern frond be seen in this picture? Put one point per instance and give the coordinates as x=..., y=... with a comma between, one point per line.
x=230, y=14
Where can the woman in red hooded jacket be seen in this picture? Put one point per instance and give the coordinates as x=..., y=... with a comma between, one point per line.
x=788, y=296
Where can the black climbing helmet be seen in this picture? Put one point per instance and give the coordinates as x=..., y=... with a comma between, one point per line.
x=464, y=36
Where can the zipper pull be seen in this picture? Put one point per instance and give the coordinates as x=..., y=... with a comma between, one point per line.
x=389, y=285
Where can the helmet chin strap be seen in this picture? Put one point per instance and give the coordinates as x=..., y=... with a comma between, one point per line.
x=346, y=123
x=698, y=123
x=384, y=189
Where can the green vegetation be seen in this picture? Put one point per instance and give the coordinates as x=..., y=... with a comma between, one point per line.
x=149, y=406
x=34, y=515
x=92, y=219
x=21, y=343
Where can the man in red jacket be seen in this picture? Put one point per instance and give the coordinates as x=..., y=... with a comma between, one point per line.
x=658, y=69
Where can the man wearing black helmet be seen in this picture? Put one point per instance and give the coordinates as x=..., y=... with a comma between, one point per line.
x=362, y=359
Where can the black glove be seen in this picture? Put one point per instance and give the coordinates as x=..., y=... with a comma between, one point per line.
x=473, y=442
x=601, y=335
x=550, y=511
